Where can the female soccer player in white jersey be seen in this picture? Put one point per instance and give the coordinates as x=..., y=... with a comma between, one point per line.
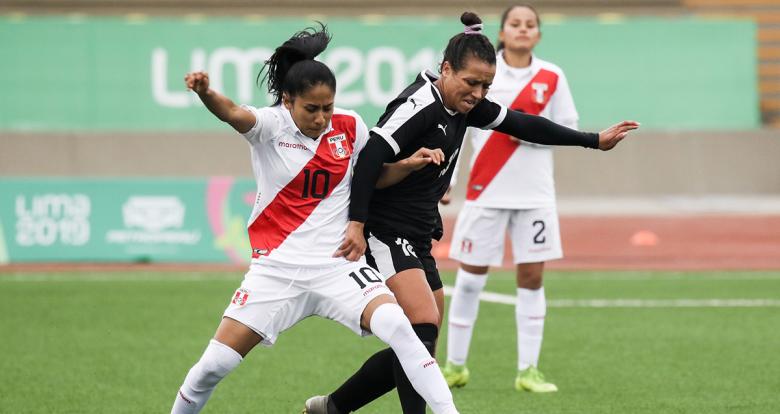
x=510, y=187
x=400, y=220
x=303, y=152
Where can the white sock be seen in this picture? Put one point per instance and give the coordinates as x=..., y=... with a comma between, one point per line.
x=464, y=306
x=217, y=361
x=390, y=325
x=529, y=312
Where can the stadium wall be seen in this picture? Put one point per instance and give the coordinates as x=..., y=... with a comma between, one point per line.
x=122, y=74
x=647, y=164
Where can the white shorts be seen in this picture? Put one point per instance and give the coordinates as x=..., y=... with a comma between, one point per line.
x=478, y=238
x=272, y=299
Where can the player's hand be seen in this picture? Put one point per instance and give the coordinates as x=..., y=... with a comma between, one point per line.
x=610, y=137
x=445, y=199
x=423, y=157
x=197, y=81
x=354, y=244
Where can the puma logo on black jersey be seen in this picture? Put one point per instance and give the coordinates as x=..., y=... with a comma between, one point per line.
x=443, y=128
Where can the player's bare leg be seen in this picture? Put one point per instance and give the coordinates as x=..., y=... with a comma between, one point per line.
x=386, y=319
x=464, y=307
x=530, y=312
x=232, y=341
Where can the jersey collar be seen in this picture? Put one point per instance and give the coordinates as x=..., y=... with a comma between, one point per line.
x=430, y=78
x=515, y=73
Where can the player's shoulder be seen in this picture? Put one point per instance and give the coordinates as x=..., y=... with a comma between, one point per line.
x=268, y=121
x=346, y=114
x=418, y=95
x=417, y=101
x=267, y=113
x=348, y=121
x=422, y=92
x=547, y=65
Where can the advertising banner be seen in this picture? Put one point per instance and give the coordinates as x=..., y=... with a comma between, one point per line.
x=113, y=73
x=160, y=220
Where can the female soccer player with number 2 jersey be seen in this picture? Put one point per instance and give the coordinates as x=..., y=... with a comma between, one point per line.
x=510, y=187
x=303, y=153
x=399, y=221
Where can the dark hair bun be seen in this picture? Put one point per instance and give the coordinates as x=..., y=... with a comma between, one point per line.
x=469, y=19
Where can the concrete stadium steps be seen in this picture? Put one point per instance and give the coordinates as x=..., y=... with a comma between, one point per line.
x=767, y=14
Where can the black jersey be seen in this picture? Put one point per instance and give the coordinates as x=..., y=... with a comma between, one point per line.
x=415, y=119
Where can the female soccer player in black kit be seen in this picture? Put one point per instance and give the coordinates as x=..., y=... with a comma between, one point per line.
x=398, y=222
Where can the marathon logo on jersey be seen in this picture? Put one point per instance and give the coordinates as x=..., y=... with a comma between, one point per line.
x=338, y=146
x=241, y=296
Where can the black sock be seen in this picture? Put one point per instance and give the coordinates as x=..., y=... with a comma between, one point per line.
x=411, y=401
x=373, y=380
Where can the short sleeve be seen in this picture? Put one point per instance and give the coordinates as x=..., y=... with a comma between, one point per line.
x=488, y=114
x=404, y=124
x=265, y=123
x=562, y=109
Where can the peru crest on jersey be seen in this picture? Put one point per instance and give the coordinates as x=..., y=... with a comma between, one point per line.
x=339, y=146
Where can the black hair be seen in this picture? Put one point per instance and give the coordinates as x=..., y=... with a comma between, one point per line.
x=505, y=15
x=292, y=68
x=474, y=44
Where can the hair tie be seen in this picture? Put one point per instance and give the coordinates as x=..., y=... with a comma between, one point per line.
x=473, y=29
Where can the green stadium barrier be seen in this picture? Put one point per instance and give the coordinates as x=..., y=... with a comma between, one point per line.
x=109, y=73
x=124, y=220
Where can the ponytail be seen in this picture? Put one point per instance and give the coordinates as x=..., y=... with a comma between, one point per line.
x=292, y=68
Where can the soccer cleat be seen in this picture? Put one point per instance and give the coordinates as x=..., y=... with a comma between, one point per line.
x=316, y=405
x=456, y=375
x=532, y=380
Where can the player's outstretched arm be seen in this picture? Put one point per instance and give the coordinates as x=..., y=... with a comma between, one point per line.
x=540, y=130
x=393, y=173
x=221, y=106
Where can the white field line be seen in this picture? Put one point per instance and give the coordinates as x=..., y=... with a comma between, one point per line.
x=664, y=276
x=121, y=277
x=163, y=275
x=493, y=297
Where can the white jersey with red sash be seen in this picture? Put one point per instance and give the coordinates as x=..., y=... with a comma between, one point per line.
x=303, y=187
x=519, y=175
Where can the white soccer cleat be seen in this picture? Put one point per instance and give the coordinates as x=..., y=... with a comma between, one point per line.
x=316, y=405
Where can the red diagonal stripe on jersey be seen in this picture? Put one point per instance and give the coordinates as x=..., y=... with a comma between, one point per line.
x=499, y=147
x=288, y=210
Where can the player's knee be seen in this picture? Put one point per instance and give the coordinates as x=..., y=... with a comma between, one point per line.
x=216, y=363
x=387, y=320
x=423, y=314
x=208, y=374
x=470, y=285
x=529, y=278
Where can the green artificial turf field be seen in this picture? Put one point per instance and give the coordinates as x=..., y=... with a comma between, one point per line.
x=615, y=342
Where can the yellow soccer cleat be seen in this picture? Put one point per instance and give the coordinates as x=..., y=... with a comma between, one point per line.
x=456, y=375
x=533, y=381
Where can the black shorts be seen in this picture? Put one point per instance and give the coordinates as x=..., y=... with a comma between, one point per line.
x=391, y=254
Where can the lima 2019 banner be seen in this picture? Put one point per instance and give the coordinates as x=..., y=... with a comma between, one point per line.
x=197, y=220
x=109, y=73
